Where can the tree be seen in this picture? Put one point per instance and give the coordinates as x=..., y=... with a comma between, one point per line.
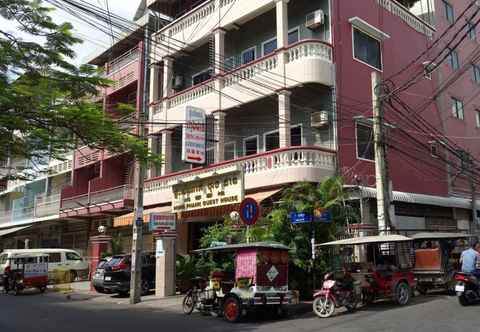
x=46, y=102
x=276, y=226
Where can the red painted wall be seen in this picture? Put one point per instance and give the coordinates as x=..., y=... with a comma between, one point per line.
x=463, y=132
x=418, y=172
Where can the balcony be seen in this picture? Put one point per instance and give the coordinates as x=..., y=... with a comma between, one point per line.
x=123, y=70
x=268, y=169
x=308, y=61
x=415, y=22
x=47, y=206
x=117, y=199
x=194, y=26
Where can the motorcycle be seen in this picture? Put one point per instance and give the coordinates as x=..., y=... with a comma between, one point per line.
x=467, y=288
x=334, y=294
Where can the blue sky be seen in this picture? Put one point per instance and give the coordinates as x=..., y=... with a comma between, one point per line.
x=95, y=41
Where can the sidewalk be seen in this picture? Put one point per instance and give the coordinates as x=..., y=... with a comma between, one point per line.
x=80, y=291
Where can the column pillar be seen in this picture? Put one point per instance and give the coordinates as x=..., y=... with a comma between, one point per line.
x=167, y=79
x=153, y=148
x=219, y=62
x=97, y=246
x=165, y=269
x=154, y=83
x=219, y=134
x=284, y=118
x=166, y=149
x=282, y=34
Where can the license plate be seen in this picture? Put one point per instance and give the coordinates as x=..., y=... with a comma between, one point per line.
x=108, y=278
x=460, y=288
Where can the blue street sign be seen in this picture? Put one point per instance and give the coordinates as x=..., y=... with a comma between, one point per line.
x=249, y=211
x=300, y=218
x=324, y=216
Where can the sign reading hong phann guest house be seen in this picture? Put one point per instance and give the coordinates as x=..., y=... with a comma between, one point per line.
x=211, y=191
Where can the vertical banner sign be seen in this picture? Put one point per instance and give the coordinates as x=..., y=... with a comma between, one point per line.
x=194, y=136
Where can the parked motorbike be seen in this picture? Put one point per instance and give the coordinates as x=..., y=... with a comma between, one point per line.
x=334, y=294
x=467, y=288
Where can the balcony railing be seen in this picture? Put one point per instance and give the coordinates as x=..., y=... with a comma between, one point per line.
x=119, y=193
x=262, y=170
x=408, y=17
x=266, y=66
x=47, y=205
x=123, y=61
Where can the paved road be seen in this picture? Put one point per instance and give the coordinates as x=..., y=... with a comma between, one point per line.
x=52, y=313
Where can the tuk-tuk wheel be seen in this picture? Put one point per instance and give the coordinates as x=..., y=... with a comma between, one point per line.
x=402, y=293
x=42, y=289
x=232, y=309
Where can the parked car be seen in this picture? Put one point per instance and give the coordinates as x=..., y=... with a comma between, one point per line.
x=117, y=274
x=97, y=279
x=68, y=262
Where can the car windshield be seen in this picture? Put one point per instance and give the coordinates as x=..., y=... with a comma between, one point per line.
x=3, y=258
x=117, y=260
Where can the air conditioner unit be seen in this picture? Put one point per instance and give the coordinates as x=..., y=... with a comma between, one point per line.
x=315, y=19
x=178, y=82
x=319, y=119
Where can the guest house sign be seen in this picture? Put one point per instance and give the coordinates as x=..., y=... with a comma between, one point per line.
x=211, y=191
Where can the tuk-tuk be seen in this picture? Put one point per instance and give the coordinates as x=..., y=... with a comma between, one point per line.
x=260, y=282
x=437, y=259
x=381, y=264
x=26, y=271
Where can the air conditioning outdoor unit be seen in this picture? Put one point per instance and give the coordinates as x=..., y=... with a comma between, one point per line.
x=315, y=19
x=319, y=119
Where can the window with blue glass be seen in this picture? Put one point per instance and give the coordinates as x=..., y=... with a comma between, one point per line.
x=367, y=49
x=449, y=13
x=248, y=55
x=453, y=60
x=293, y=36
x=472, y=32
x=202, y=76
x=269, y=46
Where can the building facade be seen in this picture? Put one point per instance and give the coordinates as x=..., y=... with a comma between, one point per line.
x=286, y=90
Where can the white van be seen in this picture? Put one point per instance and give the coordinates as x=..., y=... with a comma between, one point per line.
x=58, y=260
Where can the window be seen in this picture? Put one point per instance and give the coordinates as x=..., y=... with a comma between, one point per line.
x=3, y=259
x=476, y=73
x=230, y=63
x=453, y=60
x=71, y=256
x=202, y=76
x=293, y=36
x=249, y=55
x=477, y=120
x=457, y=108
x=230, y=151
x=272, y=140
x=365, y=147
x=433, y=149
x=296, y=133
x=472, y=33
x=367, y=49
x=449, y=13
x=210, y=156
x=269, y=46
x=54, y=257
x=250, y=145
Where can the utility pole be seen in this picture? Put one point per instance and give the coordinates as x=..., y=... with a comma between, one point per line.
x=383, y=190
x=140, y=170
x=473, y=190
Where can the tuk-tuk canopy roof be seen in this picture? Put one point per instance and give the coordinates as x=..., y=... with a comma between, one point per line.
x=235, y=247
x=439, y=236
x=367, y=240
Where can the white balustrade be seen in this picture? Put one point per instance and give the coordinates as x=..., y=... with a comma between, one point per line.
x=191, y=94
x=311, y=49
x=250, y=71
x=284, y=159
x=200, y=13
x=409, y=18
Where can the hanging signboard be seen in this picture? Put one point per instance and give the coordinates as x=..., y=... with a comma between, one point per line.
x=194, y=136
x=300, y=218
x=163, y=224
x=212, y=191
